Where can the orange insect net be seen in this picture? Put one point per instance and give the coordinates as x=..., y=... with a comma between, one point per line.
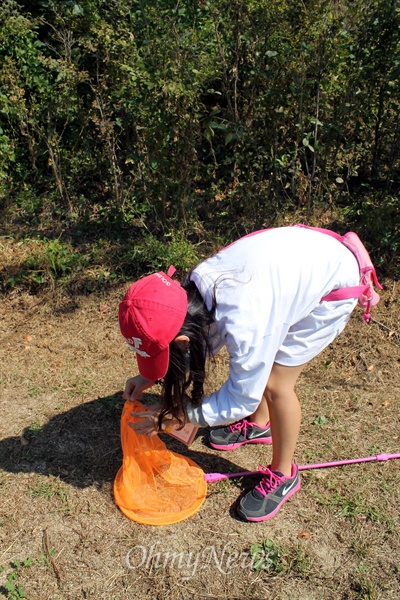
x=155, y=486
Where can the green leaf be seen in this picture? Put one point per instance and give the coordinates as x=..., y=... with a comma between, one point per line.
x=320, y=420
x=231, y=136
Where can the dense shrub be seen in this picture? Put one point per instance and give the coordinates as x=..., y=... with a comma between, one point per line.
x=155, y=115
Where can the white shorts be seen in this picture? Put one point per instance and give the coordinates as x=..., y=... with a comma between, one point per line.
x=307, y=338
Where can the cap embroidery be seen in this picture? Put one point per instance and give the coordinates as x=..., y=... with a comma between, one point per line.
x=134, y=344
x=163, y=279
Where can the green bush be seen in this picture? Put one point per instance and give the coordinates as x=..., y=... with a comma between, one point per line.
x=228, y=116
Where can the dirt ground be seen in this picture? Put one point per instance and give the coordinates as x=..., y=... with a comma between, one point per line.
x=63, y=368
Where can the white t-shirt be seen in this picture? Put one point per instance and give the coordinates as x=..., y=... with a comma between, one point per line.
x=268, y=288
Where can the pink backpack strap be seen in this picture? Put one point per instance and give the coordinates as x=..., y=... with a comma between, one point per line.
x=322, y=230
x=346, y=293
x=364, y=292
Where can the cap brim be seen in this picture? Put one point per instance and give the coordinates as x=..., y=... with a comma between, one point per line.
x=154, y=368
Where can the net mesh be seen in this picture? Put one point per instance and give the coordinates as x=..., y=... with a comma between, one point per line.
x=155, y=486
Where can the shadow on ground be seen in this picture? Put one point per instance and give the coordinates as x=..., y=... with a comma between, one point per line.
x=82, y=446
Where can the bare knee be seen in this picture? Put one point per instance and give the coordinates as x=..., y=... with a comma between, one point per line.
x=281, y=382
x=276, y=393
x=272, y=392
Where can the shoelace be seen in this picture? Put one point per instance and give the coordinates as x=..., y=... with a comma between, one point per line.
x=239, y=426
x=269, y=482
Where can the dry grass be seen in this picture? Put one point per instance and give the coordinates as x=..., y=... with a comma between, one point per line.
x=62, y=537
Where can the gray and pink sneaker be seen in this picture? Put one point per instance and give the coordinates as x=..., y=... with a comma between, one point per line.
x=237, y=434
x=264, y=501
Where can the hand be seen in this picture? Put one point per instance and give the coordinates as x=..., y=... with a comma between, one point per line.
x=135, y=386
x=148, y=425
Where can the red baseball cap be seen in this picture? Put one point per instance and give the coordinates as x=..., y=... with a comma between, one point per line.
x=150, y=316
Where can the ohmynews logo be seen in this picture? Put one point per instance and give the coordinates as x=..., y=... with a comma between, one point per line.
x=225, y=559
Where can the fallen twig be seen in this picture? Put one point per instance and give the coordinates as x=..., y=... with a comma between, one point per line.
x=392, y=332
x=46, y=550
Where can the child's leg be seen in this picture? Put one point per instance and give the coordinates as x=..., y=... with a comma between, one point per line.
x=261, y=415
x=285, y=415
x=281, y=480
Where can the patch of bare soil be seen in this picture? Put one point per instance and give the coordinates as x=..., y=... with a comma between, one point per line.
x=62, y=536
